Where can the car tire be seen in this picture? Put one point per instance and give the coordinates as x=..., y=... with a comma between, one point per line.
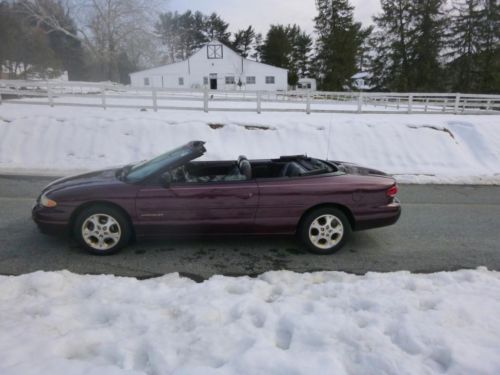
x=325, y=230
x=102, y=230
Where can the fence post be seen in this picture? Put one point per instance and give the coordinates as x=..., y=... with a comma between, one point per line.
x=0, y=98
x=205, y=100
x=360, y=102
x=259, y=100
x=308, y=103
x=426, y=104
x=49, y=95
x=155, y=102
x=410, y=103
x=457, y=102
x=103, y=96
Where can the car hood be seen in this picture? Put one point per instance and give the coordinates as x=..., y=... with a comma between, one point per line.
x=91, y=178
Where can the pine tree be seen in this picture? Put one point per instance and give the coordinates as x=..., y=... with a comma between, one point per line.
x=216, y=28
x=489, y=56
x=300, y=56
x=276, y=49
x=464, y=43
x=243, y=40
x=429, y=40
x=257, y=47
x=337, y=45
x=393, y=45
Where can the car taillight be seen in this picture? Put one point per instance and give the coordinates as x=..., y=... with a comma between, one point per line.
x=392, y=191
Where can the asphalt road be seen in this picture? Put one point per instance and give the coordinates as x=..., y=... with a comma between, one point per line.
x=442, y=228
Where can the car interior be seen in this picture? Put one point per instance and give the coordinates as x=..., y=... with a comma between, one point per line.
x=243, y=169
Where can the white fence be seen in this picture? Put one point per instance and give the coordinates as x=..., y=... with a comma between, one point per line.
x=117, y=96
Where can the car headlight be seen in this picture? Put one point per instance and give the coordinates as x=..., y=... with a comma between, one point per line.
x=46, y=202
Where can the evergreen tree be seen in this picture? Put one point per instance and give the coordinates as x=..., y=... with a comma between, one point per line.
x=300, y=57
x=464, y=43
x=489, y=55
x=183, y=34
x=243, y=40
x=429, y=41
x=338, y=43
x=393, y=45
x=257, y=47
x=216, y=28
x=277, y=48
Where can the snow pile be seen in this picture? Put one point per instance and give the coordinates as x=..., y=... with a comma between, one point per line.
x=279, y=323
x=416, y=148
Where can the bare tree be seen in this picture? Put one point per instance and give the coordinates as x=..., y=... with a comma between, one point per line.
x=108, y=28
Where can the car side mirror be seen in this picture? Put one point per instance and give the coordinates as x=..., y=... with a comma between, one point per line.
x=166, y=179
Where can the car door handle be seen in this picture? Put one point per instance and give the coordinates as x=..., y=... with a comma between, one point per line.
x=248, y=196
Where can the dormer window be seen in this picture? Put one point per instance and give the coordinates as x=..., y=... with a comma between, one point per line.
x=214, y=51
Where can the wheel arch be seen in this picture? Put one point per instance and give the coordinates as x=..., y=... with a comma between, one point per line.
x=86, y=205
x=344, y=209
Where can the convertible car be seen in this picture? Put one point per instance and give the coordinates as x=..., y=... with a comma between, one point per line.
x=320, y=201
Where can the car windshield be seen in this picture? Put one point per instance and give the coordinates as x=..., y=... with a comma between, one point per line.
x=146, y=168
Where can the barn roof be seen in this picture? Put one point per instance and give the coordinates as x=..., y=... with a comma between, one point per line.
x=158, y=68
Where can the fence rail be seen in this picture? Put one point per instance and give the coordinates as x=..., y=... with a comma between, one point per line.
x=106, y=95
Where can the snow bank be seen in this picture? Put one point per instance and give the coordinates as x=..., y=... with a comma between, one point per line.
x=279, y=323
x=416, y=148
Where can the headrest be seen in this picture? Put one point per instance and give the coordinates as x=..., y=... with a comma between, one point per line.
x=245, y=168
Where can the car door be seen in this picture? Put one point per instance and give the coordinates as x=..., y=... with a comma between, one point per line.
x=198, y=208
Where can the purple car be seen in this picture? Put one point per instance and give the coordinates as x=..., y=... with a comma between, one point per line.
x=173, y=195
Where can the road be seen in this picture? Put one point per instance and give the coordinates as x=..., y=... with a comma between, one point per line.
x=442, y=228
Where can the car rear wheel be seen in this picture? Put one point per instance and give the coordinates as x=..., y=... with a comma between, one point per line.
x=102, y=230
x=325, y=230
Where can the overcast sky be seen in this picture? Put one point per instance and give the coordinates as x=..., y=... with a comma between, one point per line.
x=262, y=13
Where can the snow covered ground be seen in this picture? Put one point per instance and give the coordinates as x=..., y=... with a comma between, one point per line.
x=416, y=148
x=279, y=323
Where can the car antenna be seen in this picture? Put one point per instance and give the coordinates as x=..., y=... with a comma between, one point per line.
x=328, y=139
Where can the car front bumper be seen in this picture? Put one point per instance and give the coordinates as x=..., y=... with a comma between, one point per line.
x=50, y=221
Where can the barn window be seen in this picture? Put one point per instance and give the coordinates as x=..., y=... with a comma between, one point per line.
x=214, y=51
x=251, y=80
x=181, y=81
x=229, y=80
x=270, y=80
x=146, y=81
x=205, y=80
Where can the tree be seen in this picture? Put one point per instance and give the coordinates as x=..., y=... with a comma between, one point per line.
x=243, y=40
x=258, y=44
x=429, y=40
x=216, y=28
x=25, y=48
x=338, y=44
x=185, y=33
x=105, y=27
x=464, y=43
x=300, y=58
x=489, y=55
x=277, y=48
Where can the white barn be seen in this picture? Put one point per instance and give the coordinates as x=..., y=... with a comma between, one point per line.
x=217, y=67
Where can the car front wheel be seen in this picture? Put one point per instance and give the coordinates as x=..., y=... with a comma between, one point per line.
x=325, y=230
x=102, y=230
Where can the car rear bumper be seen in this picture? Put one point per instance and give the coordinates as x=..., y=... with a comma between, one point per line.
x=380, y=216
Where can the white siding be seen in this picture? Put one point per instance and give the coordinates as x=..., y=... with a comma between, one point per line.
x=199, y=66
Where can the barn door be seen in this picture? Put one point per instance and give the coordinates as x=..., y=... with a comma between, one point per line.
x=213, y=81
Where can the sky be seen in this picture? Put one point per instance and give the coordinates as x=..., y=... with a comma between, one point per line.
x=262, y=13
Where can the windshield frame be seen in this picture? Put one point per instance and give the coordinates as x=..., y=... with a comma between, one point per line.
x=136, y=173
